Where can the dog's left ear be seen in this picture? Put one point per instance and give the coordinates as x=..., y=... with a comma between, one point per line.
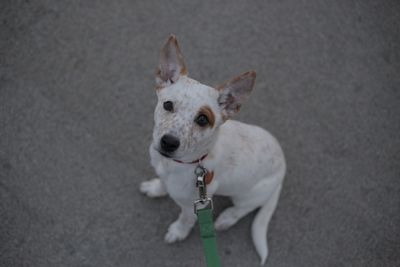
x=234, y=92
x=172, y=65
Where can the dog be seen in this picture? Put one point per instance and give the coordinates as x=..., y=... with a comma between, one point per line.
x=193, y=126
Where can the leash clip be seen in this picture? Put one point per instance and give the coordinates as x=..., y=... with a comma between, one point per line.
x=203, y=202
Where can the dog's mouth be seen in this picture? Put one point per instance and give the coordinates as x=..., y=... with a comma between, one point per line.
x=163, y=153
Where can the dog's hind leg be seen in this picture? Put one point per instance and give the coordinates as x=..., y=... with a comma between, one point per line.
x=231, y=215
x=153, y=188
x=246, y=203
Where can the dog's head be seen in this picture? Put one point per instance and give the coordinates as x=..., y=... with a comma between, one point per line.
x=188, y=113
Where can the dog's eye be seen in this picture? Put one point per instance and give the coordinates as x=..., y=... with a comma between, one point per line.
x=202, y=120
x=168, y=106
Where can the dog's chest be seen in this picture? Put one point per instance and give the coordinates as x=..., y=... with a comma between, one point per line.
x=181, y=183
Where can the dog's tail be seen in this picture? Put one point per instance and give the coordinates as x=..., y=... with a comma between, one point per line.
x=260, y=225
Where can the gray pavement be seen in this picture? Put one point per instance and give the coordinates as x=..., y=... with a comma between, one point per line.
x=76, y=104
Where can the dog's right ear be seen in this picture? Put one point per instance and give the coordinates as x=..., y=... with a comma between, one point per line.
x=172, y=65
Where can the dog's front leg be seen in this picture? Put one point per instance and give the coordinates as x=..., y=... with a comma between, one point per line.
x=153, y=188
x=180, y=229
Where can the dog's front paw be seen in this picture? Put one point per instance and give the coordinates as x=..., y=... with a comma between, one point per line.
x=153, y=188
x=176, y=232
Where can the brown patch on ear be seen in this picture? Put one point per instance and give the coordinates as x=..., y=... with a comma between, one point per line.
x=206, y=110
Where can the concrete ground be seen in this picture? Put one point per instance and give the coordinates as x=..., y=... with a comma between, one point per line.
x=76, y=103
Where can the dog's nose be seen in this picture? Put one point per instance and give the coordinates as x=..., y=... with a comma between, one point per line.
x=169, y=143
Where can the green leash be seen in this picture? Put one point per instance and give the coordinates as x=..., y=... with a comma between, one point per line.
x=205, y=219
x=207, y=233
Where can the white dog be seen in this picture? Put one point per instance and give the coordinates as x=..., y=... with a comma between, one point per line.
x=192, y=124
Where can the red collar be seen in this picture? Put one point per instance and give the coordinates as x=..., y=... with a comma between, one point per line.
x=210, y=174
x=192, y=162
